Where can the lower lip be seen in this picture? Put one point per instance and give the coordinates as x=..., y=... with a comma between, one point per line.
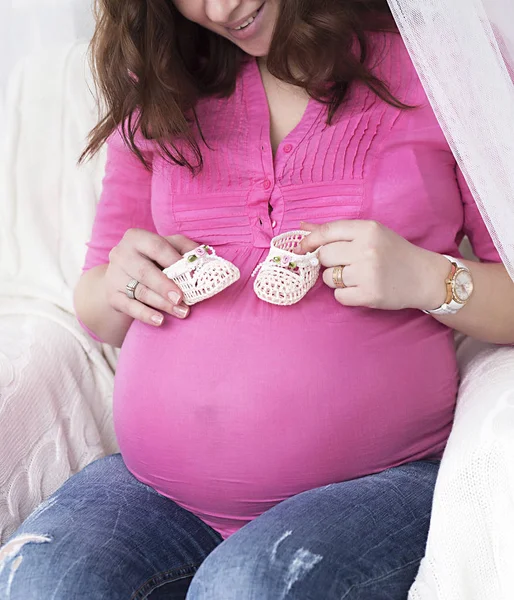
x=251, y=30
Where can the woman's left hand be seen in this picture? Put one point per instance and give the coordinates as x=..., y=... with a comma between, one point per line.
x=381, y=269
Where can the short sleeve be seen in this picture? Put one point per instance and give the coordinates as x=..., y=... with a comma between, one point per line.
x=125, y=201
x=474, y=226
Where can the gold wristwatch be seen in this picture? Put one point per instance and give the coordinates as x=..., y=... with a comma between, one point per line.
x=459, y=287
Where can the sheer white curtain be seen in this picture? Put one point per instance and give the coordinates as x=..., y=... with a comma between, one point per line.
x=464, y=53
x=27, y=26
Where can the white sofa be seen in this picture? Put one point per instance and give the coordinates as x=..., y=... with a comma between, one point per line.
x=56, y=383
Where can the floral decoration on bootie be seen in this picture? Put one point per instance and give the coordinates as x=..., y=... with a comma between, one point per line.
x=285, y=277
x=201, y=274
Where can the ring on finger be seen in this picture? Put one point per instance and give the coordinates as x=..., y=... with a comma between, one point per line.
x=337, y=276
x=130, y=288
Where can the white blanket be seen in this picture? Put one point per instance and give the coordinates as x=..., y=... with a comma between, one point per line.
x=55, y=405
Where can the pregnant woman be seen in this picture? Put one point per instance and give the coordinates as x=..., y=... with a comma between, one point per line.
x=267, y=452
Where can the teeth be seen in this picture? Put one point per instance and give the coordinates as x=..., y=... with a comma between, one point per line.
x=246, y=23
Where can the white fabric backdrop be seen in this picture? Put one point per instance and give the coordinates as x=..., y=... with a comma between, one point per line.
x=28, y=25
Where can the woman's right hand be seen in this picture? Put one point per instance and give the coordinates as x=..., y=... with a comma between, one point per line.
x=142, y=255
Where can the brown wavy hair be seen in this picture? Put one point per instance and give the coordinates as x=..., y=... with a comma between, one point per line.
x=151, y=66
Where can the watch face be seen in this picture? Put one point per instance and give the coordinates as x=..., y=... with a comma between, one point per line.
x=462, y=286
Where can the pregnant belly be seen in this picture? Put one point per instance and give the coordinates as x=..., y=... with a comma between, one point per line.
x=229, y=416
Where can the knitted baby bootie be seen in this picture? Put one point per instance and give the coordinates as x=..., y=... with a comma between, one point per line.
x=284, y=277
x=201, y=274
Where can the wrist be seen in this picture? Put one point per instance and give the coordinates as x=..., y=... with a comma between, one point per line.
x=434, y=275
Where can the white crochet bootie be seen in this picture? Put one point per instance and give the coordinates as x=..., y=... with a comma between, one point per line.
x=284, y=277
x=201, y=274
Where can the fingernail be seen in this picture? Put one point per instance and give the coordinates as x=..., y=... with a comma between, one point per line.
x=174, y=297
x=157, y=319
x=181, y=311
x=307, y=226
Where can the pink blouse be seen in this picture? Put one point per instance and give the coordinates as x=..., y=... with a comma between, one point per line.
x=245, y=404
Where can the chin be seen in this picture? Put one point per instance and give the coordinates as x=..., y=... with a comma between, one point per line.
x=256, y=51
x=256, y=48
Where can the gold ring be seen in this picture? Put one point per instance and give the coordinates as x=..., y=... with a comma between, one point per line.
x=337, y=276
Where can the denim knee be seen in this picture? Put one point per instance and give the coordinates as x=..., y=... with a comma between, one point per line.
x=30, y=570
x=226, y=577
x=41, y=559
x=240, y=571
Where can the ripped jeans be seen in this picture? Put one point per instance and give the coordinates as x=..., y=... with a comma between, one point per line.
x=106, y=536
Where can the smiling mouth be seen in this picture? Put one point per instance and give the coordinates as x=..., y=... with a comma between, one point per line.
x=249, y=21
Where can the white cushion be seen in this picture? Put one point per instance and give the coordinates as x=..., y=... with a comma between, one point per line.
x=47, y=205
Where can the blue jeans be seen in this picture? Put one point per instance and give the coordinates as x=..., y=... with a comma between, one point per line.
x=106, y=536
